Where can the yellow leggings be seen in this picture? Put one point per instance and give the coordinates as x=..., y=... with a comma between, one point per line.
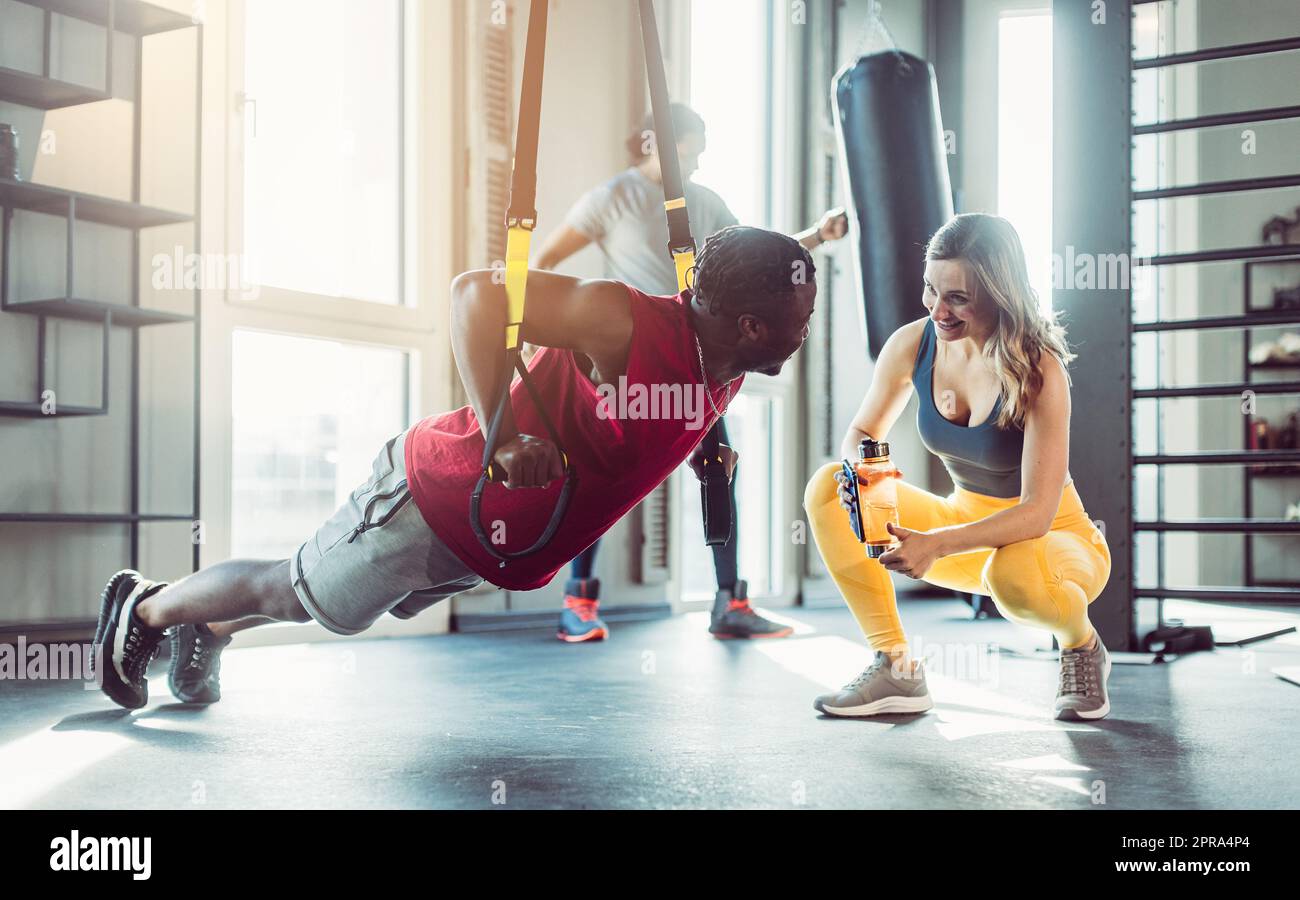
x=1046, y=582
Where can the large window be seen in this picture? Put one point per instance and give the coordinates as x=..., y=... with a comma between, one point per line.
x=753, y=426
x=331, y=339
x=730, y=71
x=308, y=418
x=1025, y=139
x=732, y=77
x=322, y=180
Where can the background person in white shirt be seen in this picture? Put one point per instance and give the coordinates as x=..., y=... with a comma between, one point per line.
x=624, y=217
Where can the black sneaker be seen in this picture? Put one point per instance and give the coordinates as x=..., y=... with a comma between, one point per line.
x=195, y=674
x=124, y=645
x=733, y=617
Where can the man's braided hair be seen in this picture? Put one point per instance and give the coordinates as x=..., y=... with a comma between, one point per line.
x=751, y=270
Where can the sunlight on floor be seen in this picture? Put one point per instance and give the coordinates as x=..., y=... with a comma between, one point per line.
x=36, y=763
x=963, y=708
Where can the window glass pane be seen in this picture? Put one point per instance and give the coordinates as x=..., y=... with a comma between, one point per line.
x=322, y=146
x=1025, y=140
x=752, y=426
x=729, y=91
x=309, y=417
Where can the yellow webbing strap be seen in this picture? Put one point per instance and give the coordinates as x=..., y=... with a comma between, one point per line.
x=518, y=240
x=684, y=262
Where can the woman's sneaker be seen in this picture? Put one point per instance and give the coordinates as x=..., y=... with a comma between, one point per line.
x=1082, y=691
x=879, y=689
x=195, y=674
x=124, y=645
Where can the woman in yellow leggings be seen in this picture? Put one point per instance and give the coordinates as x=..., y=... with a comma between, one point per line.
x=990, y=369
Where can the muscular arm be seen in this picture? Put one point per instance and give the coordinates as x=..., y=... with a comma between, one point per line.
x=591, y=317
x=1044, y=464
x=559, y=245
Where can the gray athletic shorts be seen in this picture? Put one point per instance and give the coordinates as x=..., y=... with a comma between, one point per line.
x=376, y=554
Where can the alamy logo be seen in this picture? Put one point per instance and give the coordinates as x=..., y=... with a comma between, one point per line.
x=92, y=854
x=652, y=401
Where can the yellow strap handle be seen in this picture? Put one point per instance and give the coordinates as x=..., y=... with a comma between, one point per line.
x=518, y=240
x=685, y=260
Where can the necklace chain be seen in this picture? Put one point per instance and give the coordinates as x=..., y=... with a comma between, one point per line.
x=704, y=373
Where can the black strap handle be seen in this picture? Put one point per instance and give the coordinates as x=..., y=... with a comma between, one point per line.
x=522, y=209
x=715, y=488
x=521, y=217
x=715, y=491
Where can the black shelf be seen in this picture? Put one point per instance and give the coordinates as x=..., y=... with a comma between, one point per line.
x=131, y=16
x=1219, y=187
x=1231, y=389
x=1257, y=595
x=1233, y=51
x=1225, y=254
x=96, y=310
x=1223, y=526
x=137, y=19
x=1275, y=365
x=1273, y=472
x=33, y=410
x=27, y=89
x=1218, y=119
x=87, y=207
x=1218, y=457
x=92, y=518
x=1263, y=318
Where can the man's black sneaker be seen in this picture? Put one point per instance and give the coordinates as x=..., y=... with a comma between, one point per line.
x=195, y=675
x=733, y=617
x=124, y=645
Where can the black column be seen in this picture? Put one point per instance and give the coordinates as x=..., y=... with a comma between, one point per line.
x=1091, y=207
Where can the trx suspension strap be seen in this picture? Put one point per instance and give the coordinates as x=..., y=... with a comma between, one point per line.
x=521, y=217
x=715, y=487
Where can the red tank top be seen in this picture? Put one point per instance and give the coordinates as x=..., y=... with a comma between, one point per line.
x=620, y=456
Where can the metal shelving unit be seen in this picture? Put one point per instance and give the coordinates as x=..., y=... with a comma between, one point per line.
x=1176, y=637
x=139, y=20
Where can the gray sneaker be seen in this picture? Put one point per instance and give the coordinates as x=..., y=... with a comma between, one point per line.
x=878, y=690
x=1082, y=692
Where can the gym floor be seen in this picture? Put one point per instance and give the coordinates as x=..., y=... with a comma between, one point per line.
x=661, y=716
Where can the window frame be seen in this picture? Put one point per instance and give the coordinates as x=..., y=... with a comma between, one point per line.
x=785, y=389
x=414, y=311
x=434, y=196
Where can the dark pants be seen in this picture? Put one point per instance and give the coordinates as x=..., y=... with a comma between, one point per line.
x=725, y=564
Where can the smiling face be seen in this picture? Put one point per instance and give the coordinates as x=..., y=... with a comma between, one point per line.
x=956, y=304
x=766, y=345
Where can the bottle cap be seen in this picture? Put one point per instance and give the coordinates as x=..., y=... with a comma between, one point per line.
x=871, y=449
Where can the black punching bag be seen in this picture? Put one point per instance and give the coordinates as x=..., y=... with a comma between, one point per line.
x=891, y=142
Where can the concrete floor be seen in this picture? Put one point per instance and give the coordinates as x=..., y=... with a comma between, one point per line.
x=661, y=716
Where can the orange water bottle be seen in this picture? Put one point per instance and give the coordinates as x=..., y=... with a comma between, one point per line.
x=878, y=495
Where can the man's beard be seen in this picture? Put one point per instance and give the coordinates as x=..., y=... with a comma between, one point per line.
x=763, y=363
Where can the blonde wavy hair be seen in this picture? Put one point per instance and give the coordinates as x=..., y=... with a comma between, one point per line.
x=990, y=245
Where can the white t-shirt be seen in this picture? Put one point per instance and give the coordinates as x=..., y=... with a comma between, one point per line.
x=625, y=218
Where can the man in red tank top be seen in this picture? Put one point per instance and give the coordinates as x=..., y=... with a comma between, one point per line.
x=666, y=368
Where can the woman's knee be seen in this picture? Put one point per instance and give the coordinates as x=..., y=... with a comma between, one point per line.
x=822, y=488
x=1013, y=576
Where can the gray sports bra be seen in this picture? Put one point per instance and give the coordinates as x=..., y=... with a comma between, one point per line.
x=984, y=459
